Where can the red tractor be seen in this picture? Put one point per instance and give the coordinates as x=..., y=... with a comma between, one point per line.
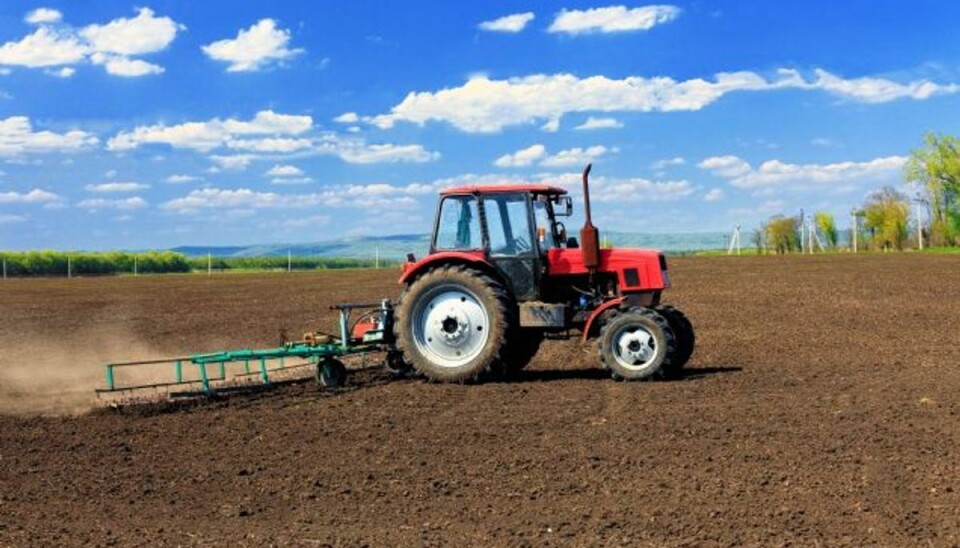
x=502, y=274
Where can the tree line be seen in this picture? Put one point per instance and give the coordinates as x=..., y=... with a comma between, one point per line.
x=61, y=263
x=883, y=221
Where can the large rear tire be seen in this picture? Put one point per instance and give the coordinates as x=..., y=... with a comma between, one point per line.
x=636, y=344
x=686, y=338
x=452, y=324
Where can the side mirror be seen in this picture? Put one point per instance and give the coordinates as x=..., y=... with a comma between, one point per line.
x=566, y=202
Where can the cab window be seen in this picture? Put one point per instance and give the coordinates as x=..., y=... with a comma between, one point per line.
x=459, y=225
x=542, y=217
x=508, y=224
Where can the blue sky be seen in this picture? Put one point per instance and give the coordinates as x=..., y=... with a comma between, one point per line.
x=135, y=125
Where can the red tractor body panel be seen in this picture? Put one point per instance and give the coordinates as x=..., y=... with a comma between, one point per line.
x=636, y=269
x=411, y=270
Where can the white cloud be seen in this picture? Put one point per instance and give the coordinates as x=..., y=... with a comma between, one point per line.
x=347, y=118
x=613, y=19
x=508, y=23
x=41, y=16
x=667, y=162
x=215, y=133
x=638, y=189
x=46, y=47
x=17, y=138
x=35, y=196
x=235, y=162
x=243, y=198
x=600, y=123
x=62, y=72
x=575, y=156
x=180, y=179
x=359, y=152
x=714, y=195
x=284, y=171
x=259, y=46
x=95, y=204
x=111, y=45
x=124, y=66
x=522, y=158
x=777, y=173
x=132, y=36
x=483, y=105
x=271, y=144
x=11, y=219
x=291, y=181
x=727, y=166
x=823, y=142
x=117, y=187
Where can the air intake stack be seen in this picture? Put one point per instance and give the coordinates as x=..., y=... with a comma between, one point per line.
x=589, y=237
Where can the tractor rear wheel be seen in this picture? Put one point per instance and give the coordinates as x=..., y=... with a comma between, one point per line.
x=686, y=338
x=452, y=323
x=636, y=344
x=523, y=346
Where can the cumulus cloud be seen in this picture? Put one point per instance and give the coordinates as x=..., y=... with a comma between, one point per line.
x=775, y=173
x=284, y=171
x=508, y=23
x=41, y=16
x=612, y=19
x=111, y=45
x=180, y=179
x=600, y=123
x=62, y=72
x=11, y=219
x=215, y=133
x=522, y=158
x=485, y=105
x=44, y=48
x=35, y=196
x=575, y=156
x=347, y=118
x=537, y=154
x=95, y=204
x=359, y=152
x=639, y=189
x=714, y=195
x=17, y=137
x=138, y=35
x=271, y=144
x=117, y=187
x=664, y=163
x=373, y=195
x=260, y=46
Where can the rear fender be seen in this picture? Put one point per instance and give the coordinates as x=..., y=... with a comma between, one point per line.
x=477, y=260
x=590, y=328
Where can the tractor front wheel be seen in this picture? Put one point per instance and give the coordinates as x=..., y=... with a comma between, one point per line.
x=452, y=323
x=636, y=344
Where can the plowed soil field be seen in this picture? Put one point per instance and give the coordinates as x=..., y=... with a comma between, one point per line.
x=820, y=408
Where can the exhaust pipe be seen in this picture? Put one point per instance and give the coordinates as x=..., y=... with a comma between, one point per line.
x=589, y=237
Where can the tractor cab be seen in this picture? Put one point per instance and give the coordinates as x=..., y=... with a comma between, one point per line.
x=512, y=226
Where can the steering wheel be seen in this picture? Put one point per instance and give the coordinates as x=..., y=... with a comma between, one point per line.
x=521, y=244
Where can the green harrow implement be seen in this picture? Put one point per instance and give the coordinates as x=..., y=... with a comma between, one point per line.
x=212, y=372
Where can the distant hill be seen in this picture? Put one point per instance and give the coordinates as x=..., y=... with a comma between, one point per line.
x=396, y=247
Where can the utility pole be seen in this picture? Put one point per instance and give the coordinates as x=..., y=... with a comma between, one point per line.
x=69, y=268
x=209, y=264
x=803, y=234
x=376, y=260
x=854, y=230
x=289, y=261
x=734, y=241
x=4, y=268
x=134, y=266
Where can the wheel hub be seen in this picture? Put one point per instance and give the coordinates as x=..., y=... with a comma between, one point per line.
x=451, y=326
x=635, y=347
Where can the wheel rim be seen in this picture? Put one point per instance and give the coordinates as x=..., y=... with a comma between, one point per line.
x=451, y=326
x=634, y=347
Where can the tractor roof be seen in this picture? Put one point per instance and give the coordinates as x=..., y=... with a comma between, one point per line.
x=504, y=188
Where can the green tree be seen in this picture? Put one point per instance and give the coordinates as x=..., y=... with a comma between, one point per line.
x=886, y=213
x=936, y=166
x=827, y=226
x=782, y=233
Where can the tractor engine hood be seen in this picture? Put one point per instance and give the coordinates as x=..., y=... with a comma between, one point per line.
x=636, y=269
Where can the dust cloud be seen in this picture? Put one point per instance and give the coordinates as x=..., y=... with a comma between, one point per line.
x=59, y=378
